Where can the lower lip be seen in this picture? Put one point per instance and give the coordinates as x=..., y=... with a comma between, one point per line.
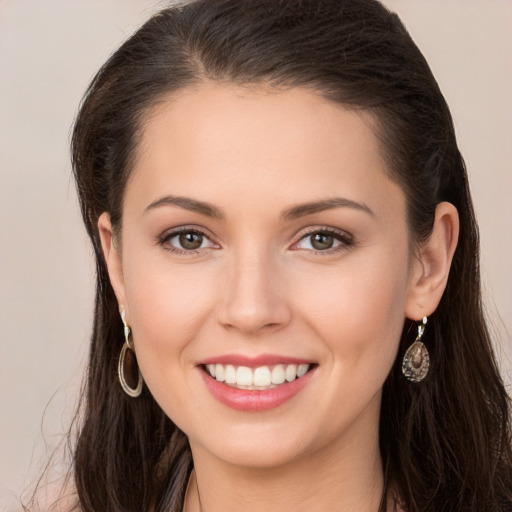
x=255, y=400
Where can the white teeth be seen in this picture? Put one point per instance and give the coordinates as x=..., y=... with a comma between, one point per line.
x=230, y=374
x=244, y=376
x=302, y=369
x=263, y=377
x=278, y=374
x=219, y=372
x=290, y=372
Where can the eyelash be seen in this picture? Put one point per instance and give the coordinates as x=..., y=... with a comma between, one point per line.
x=344, y=238
x=164, y=240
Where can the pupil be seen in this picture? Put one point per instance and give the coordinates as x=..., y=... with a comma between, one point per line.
x=322, y=241
x=191, y=240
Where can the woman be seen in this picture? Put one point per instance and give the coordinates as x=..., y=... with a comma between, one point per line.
x=288, y=311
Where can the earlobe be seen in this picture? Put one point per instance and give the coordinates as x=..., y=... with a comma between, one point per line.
x=431, y=270
x=112, y=257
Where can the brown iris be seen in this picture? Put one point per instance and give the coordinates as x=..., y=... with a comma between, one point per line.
x=322, y=241
x=191, y=240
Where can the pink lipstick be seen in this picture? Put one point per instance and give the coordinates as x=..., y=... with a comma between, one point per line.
x=255, y=383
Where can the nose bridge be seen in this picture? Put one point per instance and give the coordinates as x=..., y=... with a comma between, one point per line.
x=253, y=296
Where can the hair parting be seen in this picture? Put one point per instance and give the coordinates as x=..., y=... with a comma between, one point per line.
x=446, y=443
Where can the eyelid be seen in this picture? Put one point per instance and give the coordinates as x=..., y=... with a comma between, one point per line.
x=188, y=228
x=342, y=236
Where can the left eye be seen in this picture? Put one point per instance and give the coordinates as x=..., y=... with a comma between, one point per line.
x=189, y=241
x=321, y=241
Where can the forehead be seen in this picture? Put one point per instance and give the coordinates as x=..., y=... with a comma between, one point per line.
x=211, y=115
x=224, y=142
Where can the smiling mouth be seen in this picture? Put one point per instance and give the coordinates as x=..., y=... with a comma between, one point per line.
x=260, y=378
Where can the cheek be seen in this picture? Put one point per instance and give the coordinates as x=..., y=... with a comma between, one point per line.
x=167, y=306
x=358, y=309
x=359, y=322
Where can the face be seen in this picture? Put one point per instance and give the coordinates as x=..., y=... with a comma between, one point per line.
x=265, y=270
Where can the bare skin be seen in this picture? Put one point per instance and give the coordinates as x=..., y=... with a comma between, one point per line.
x=329, y=284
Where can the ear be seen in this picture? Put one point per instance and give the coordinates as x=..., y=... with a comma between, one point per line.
x=112, y=257
x=432, y=265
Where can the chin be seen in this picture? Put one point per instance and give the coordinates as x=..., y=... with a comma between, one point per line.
x=258, y=455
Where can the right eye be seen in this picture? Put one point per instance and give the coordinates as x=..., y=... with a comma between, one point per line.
x=186, y=241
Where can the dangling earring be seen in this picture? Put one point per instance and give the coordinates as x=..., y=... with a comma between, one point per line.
x=128, y=370
x=416, y=360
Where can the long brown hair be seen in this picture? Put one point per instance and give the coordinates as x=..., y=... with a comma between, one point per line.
x=446, y=443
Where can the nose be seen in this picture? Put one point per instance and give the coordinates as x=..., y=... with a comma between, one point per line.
x=254, y=298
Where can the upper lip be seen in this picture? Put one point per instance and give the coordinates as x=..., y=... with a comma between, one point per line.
x=254, y=361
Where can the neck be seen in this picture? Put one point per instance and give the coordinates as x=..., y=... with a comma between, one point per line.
x=348, y=476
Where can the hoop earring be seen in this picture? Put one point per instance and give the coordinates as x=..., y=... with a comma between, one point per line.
x=132, y=385
x=416, y=359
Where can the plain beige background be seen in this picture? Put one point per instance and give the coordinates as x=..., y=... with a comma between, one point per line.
x=49, y=51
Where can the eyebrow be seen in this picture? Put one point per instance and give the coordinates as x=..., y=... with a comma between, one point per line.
x=187, y=203
x=302, y=210
x=292, y=213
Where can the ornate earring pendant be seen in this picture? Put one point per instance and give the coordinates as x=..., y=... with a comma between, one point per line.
x=128, y=370
x=416, y=360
